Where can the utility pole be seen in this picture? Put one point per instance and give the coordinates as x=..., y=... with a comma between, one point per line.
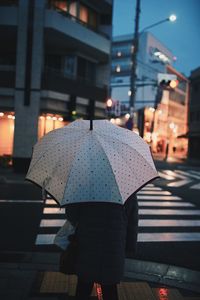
x=135, y=48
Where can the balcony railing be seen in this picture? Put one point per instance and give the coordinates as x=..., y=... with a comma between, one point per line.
x=66, y=14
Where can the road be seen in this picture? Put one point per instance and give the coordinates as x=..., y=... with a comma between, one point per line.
x=169, y=218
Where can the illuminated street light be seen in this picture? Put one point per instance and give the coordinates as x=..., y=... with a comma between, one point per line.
x=135, y=46
x=172, y=18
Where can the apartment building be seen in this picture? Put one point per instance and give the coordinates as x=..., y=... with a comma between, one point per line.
x=54, y=67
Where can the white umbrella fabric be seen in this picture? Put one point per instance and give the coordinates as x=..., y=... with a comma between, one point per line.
x=101, y=163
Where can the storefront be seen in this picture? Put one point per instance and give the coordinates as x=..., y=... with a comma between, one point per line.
x=46, y=123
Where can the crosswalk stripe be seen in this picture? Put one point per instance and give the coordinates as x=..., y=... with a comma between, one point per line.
x=168, y=223
x=151, y=189
x=45, y=239
x=169, y=237
x=195, y=186
x=165, y=176
x=156, y=197
x=194, y=172
x=164, y=204
x=179, y=183
x=21, y=201
x=48, y=239
x=169, y=212
x=153, y=193
x=52, y=223
x=53, y=210
x=189, y=174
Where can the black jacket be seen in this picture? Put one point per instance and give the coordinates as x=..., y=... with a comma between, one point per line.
x=104, y=232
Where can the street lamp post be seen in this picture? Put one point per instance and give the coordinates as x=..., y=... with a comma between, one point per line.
x=135, y=49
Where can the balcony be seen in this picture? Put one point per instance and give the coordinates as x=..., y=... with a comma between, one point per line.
x=55, y=81
x=66, y=32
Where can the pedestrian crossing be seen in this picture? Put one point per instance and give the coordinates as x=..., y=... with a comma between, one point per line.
x=163, y=217
x=179, y=178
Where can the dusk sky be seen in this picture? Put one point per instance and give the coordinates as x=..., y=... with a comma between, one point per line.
x=182, y=37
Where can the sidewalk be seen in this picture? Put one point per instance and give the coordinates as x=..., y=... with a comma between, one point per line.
x=34, y=276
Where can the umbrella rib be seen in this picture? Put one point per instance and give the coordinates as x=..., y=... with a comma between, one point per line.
x=47, y=150
x=108, y=162
x=84, y=137
x=123, y=157
x=104, y=135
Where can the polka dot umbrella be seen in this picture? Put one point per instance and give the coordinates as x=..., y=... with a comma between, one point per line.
x=91, y=161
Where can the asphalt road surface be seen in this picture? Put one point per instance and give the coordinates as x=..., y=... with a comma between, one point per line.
x=169, y=218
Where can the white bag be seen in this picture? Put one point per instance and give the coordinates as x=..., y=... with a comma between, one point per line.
x=61, y=238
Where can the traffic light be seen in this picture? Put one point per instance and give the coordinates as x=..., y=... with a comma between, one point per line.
x=169, y=84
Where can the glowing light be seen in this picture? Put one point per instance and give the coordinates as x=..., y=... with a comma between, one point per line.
x=109, y=103
x=112, y=120
x=10, y=116
x=73, y=112
x=127, y=116
x=172, y=18
x=48, y=118
x=152, y=109
x=129, y=93
x=119, y=53
x=174, y=83
x=41, y=117
x=60, y=119
x=171, y=125
x=1, y=114
x=118, y=69
x=54, y=118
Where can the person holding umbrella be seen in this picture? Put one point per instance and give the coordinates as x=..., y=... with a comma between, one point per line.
x=95, y=172
x=106, y=234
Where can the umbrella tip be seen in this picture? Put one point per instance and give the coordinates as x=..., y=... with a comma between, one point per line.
x=91, y=124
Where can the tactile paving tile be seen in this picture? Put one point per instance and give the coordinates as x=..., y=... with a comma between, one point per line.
x=59, y=283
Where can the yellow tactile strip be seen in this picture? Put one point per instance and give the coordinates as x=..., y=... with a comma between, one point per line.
x=164, y=293
x=135, y=291
x=59, y=283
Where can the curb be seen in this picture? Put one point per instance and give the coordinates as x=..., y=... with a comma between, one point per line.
x=163, y=274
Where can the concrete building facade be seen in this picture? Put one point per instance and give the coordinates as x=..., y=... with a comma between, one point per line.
x=194, y=116
x=152, y=58
x=54, y=67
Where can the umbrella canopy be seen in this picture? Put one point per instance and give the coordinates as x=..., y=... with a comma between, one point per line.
x=105, y=164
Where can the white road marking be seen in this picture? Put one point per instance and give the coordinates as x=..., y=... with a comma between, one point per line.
x=153, y=193
x=51, y=202
x=165, y=176
x=169, y=237
x=189, y=174
x=21, y=201
x=151, y=189
x=195, y=186
x=179, y=183
x=45, y=239
x=156, y=197
x=165, y=204
x=168, y=223
x=169, y=212
x=52, y=223
x=53, y=210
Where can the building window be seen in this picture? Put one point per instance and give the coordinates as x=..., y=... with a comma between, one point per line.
x=69, y=65
x=86, y=70
x=83, y=14
x=76, y=10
